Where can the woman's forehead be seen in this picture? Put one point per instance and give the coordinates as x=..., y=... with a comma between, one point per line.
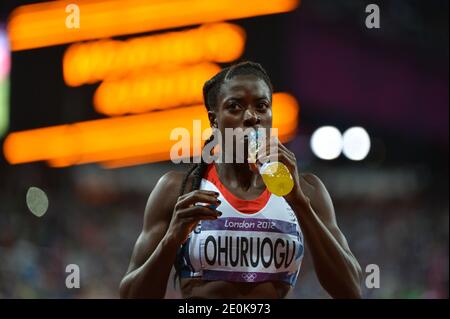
x=240, y=86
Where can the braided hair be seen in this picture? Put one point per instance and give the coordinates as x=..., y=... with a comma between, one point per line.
x=211, y=90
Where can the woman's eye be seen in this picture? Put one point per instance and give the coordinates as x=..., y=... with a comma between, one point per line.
x=262, y=105
x=233, y=106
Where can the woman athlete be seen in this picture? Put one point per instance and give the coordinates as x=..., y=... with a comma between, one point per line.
x=243, y=242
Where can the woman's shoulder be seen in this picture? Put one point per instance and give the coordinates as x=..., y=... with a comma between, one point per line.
x=164, y=196
x=169, y=185
x=311, y=180
x=313, y=187
x=171, y=182
x=171, y=179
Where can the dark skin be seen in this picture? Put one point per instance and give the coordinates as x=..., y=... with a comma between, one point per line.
x=244, y=101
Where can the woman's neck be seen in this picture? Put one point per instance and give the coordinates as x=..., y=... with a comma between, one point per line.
x=239, y=176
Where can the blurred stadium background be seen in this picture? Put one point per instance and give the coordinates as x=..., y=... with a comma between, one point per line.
x=393, y=81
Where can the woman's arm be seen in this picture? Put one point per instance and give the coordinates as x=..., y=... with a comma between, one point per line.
x=168, y=221
x=337, y=268
x=154, y=251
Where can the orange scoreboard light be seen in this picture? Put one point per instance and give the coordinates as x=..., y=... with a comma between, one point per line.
x=147, y=85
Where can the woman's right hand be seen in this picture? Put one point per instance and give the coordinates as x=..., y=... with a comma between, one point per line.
x=187, y=214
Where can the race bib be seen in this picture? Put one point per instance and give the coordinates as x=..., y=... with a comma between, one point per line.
x=247, y=249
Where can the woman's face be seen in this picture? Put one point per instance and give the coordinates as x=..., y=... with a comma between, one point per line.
x=244, y=101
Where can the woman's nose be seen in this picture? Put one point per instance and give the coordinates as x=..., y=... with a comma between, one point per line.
x=251, y=118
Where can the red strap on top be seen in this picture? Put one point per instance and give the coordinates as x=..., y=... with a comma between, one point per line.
x=242, y=205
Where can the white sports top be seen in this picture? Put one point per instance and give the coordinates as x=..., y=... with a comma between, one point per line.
x=252, y=241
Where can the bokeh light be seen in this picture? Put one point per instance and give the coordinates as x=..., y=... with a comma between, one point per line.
x=326, y=142
x=356, y=143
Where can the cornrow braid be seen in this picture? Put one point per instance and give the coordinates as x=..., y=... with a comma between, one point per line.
x=186, y=176
x=211, y=90
x=197, y=171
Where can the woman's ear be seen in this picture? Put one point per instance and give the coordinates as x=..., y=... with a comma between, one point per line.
x=212, y=119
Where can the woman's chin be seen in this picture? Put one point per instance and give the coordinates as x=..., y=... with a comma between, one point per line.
x=253, y=168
